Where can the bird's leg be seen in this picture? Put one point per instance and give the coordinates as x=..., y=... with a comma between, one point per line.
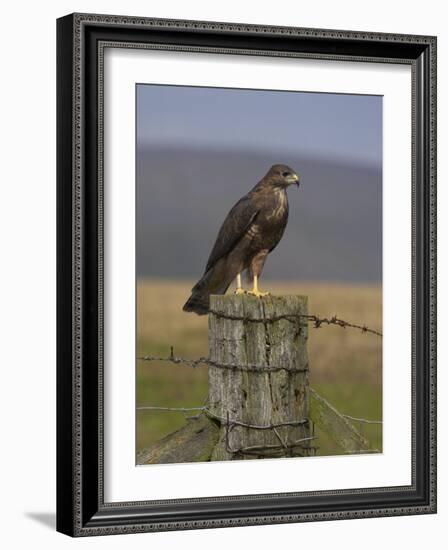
x=255, y=291
x=239, y=288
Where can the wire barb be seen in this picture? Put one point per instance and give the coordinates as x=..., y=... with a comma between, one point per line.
x=316, y=321
x=210, y=362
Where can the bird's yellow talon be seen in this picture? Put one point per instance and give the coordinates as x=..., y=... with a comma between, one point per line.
x=239, y=291
x=257, y=293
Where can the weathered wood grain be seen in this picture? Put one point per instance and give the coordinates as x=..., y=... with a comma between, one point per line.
x=259, y=397
x=194, y=442
x=335, y=425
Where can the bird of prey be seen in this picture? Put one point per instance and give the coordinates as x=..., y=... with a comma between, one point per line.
x=251, y=230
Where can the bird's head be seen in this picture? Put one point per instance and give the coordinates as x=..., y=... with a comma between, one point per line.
x=281, y=175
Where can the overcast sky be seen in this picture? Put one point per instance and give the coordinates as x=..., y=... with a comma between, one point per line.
x=331, y=126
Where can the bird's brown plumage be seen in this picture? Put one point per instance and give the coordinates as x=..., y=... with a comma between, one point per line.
x=252, y=229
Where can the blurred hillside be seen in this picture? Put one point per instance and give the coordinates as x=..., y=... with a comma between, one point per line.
x=334, y=231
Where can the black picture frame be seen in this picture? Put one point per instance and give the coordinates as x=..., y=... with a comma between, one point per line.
x=81, y=510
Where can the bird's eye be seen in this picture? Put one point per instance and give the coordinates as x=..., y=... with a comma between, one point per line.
x=286, y=174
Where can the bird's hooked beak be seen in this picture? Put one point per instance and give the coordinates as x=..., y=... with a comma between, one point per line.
x=294, y=178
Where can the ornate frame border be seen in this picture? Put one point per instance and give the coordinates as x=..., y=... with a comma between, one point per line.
x=81, y=42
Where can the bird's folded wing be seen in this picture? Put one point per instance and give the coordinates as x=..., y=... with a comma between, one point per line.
x=235, y=226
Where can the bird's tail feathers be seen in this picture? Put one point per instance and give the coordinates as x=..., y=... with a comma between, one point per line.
x=199, y=301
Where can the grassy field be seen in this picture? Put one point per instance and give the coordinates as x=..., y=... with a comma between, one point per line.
x=345, y=364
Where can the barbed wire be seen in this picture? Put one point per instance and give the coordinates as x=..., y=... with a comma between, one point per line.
x=230, y=424
x=272, y=426
x=235, y=422
x=284, y=446
x=269, y=426
x=170, y=409
x=206, y=409
x=362, y=420
x=317, y=323
x=210, y=362
x=293, y=318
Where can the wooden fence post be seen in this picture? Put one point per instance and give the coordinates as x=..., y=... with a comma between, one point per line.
x=263, y=406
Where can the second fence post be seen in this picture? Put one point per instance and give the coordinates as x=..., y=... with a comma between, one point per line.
x=258, y=379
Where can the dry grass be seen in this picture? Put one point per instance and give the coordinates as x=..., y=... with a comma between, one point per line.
x=333, y=351
x=345, y=364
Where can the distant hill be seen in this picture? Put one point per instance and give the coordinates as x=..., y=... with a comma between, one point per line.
x=335, y=224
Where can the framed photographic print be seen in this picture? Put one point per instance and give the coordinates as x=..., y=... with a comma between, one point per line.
x=246, y=274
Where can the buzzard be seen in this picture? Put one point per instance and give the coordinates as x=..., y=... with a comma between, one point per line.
x=252, y=229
